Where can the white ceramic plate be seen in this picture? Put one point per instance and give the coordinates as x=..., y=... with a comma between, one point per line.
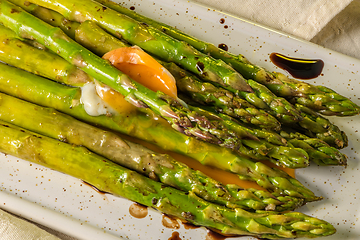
x=70, y=206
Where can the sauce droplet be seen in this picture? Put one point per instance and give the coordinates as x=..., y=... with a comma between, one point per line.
x=138, y=211
x=132, y=8
x=169, y=222
x=175, y=236
x=298, y=67
x=223, y=46
x=222, y=20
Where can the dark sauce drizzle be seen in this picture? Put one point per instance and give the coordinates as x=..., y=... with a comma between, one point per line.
x=223, y=46
x=297, y=67
x=175, y=236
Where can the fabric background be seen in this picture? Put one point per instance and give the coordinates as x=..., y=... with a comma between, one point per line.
x=332, y=24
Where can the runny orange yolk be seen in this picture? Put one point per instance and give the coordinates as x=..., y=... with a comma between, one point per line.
x=142, y=68
x=114, y=99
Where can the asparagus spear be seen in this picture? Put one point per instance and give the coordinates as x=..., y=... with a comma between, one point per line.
x=178, y=115
x=144, y=126
x=317, y=150
x=318, y=98
x=110, y=177
x=160, y=167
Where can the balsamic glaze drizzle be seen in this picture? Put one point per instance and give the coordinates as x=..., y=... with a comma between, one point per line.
x=298, y=67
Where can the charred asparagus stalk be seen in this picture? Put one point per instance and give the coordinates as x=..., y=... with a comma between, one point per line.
x=67, y=99
x=120, y=181
x=317, y=98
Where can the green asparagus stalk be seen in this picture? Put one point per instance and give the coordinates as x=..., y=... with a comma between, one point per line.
x=317, y=98
x=142, y=125
x=202, y=46
x=159, y=167
x=109, y=177
x=178, y=115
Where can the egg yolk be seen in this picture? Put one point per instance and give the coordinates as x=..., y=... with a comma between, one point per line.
x=113, y=98
x=142, y=68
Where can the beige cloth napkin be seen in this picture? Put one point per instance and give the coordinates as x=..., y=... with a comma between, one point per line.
x=14, y=228
x=342, y=33
x=302, y=18
x=333, y=24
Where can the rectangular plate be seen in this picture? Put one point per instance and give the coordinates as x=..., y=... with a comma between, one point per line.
x=70, y=206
